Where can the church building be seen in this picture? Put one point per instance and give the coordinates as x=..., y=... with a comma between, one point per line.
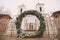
x=30, y=19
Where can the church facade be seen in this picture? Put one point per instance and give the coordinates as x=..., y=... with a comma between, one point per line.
x=30, y=24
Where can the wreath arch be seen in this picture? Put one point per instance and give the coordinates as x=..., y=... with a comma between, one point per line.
x=42, y=26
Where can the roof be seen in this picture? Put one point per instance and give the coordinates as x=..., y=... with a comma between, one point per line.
x=56, y=14
x=5, y=15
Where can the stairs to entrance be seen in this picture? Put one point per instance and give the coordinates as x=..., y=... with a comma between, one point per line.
x=33, y=39
x=14, y=38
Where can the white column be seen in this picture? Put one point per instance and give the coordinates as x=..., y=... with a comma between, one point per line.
x=8, y=29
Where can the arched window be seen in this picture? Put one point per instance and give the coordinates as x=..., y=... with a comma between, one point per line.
x=41, y=9
x=21, y=8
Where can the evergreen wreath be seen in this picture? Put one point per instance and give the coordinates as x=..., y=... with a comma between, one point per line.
x=42, y=26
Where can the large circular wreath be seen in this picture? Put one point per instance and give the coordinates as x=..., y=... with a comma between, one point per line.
x=42, y=26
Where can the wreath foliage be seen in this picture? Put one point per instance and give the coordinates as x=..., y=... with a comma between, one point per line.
x=41, y=27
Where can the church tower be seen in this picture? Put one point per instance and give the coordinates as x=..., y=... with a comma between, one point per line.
x=40, y=7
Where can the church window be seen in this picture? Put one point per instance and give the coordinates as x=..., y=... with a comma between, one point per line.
x=21, y=10
x=40, y=9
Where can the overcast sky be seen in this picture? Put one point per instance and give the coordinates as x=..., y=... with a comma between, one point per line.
x=12, y=5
